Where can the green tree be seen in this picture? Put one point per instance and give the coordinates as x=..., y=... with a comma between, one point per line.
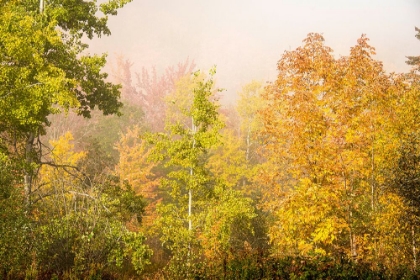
x=184, y=149
x=15, y=227
x=44, y=70
x=415, y=60
x=190, y=214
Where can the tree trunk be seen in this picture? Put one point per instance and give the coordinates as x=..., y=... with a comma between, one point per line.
x=353, y=250
x=190, y=206
x=247, y=151
x=413, y=236
x=373, y=180
x=194, y=130
x=28, y=169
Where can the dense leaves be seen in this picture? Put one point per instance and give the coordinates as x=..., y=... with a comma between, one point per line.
x=315, y=176
x=200, y=212
x=334, y=128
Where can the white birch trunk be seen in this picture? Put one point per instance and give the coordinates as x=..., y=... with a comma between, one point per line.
x=190, y=192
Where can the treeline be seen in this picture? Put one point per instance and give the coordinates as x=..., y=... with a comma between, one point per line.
x=313, y=176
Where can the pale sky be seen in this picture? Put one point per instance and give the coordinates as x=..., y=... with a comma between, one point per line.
x=246, y=38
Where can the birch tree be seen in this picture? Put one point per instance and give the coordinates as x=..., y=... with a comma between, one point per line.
x=184, y=150
x=195, y=198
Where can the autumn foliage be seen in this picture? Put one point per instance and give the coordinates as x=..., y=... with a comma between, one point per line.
x=333, y=128
x=312, y=176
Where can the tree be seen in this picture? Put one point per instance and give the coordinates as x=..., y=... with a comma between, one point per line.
x=295, y=129
x=195, y=198
x=406, y=180
x=15, y=227
x=153, y=90
x=44, y=70
x=149, y=89
x=83, y=224
x=135, y=169
x=405, y=173
x=329, y=132
x=415, y=60
x=227, y=160
x=250, y=102
x=185, y=149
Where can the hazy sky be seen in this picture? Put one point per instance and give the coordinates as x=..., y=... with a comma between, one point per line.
x=246, y=38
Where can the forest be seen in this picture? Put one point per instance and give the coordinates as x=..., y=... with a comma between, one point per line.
x=127, y=175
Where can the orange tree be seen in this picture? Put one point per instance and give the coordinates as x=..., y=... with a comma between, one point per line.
x=328, y=137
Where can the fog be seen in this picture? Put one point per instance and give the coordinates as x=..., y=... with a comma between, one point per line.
x=246, y=38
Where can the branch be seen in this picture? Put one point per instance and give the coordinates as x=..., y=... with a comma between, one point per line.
x=82, y=194
x=91, y=197
x=64, y=166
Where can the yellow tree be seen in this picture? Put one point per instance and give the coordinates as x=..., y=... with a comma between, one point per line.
x=134, y=168
x=227, y=161
x=236, y=160
x=59, y=175
x=406, y=126
x=250, y=102
x=296, y=125
x=327, y=129
x=366, y=145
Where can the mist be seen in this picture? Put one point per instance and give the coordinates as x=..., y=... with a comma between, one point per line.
x=245, y=39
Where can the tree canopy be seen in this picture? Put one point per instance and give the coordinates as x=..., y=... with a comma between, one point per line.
x=314, y=175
